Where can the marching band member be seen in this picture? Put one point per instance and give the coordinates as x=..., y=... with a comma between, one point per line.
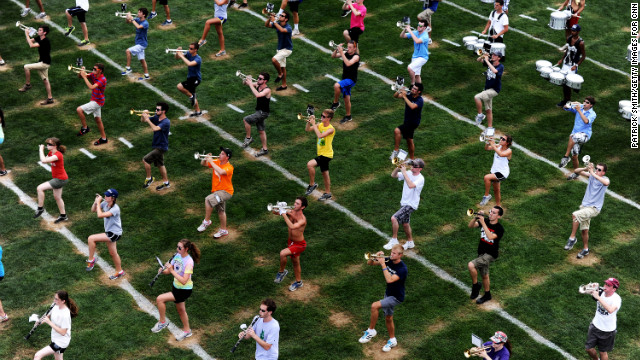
x=219, y=18
x=581, y=132
x=499, y=168
x=395, y=274
x=161, y=125
x=3, y=315
x=591, y=206
x=167, y=11
x=141, y=43
x=285, y=46
x=293, y=5
x=420, y=39
x=60, y=178
x=350, y=64
x=80, y=10
x=499, y=348
x=296, y=223
x=221, y=191
x=498, y=23
x=266, y=332
x=413, y=182
x=492, y=86
x=413, y=103
x=181, y=268
x=574, y=56
x=358, y=11
x=488, y=249
x=325, y=133
x=430, y=7
x=261, y=91
x=575, y=7
x=108, y=210
x=41, y=42
x=27, y=9
x=60, y=321
x=97, y=83
x=194, y=77
x=3, y=170
x=602, y=330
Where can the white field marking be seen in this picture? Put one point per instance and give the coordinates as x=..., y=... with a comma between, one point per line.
x=142, y=302
x=451, y=42
x=124, y=141
x=188, y=116
x=233, y=107
x=86, y=152
x=389, y=57
x=332, y=77
x=45, y=166
x=528, y=17
x=273, y=99
x=299, y=87
x=531, y=37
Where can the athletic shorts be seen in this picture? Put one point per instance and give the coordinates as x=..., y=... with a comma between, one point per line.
x=191, y=84
x=218, y=200
x=58, y=183
x=78, y=12
x=57, y=349
x=293, y=5
x=416, y=64
x=163, y=2
x=572, y=21
x=499, y=176
x=42, y=68
x=584, y=216
x=113, y=237
x=155, y=157
x=296, y=247
x=388, y=304
x=281, y=56
x=181, y=295
x=604, y=340
x=407, y=131
x=487, y=98
x=138, y=51
x=257, y=118
x=323, y=162
x=404, y=214
x=93, y=108
x=426, y=16
x=354, y=33
x=482, y=263
x=345, y=86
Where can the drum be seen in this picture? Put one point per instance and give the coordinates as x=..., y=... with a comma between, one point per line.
x=574, y=81
x=542, y=63
x=564, y=72
x=546, y=71
x=558, y=20
x=499, y=47
x=623, y=104
x=556, y=68
x=469, y=41
x=626, y=113
x=556, y=78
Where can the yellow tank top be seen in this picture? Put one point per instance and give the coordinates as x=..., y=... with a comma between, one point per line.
x=325, y=144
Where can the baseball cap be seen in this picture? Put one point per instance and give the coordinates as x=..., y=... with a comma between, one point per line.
x=111, y=192
x=418, y=163
x=613, y=282
x=227, y=151
x=576, y=27
x=499, y=337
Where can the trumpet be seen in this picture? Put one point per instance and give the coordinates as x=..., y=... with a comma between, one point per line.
x=399, y=163
x=475, y=351
x=398, y=88
x=571, y=104
x=199, y=156
x=588, y=288
x=76, y=70
x=302, y=117
x=333, y=45
x=485, y=138
x=32, y=31
x=403, y=25
x=268, y=10
x=370, y=256
x=132, y=111
x=279, y=206
x=471, y=212
x=122, y=14
x=586, y=160
x=241, y=75
x=174, y=51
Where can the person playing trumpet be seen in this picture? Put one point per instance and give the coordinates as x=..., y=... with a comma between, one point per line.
x=413, y=103
x=603, y=327
x=221, y=190
x=109, y=211
x=219, y=18
x=59, y=176
x=160, y=125
x=262, y=92
x=499, y=168
x=142, y=26
x=581, y=132
x=420, y=38
x=96, y=82
x=80, y=10
x=499, y=348
x=350, y=64
x=43, y=44
x=296, y=244
x=285, y=46
x=491, y=233
x=492, y=86
x=356, y=26
x=194, y=77
x=325, y=133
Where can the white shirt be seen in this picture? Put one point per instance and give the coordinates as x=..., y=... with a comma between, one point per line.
x=604, y=320
x=498, y=25
x=84, y=4
x=411, y=197
x=61, y=318
x=270, y=333
x=500, y=164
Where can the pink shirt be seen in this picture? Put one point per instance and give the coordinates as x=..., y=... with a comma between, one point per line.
x=358, y=21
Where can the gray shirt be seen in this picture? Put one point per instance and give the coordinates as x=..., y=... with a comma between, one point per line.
x=594, y=195
x=112, y=223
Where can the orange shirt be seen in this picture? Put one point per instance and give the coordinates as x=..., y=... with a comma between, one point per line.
x=224, y=181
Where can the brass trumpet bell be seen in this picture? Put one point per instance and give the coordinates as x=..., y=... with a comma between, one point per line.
x=132, y=111
x=474, y=351
x=76, y=70
x=370, y=256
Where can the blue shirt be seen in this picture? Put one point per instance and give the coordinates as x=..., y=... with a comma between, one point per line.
x=194, y=71
x=420, y=50
x=284, y=39
x=433, y=5
x=413, y=117
x=494, y=81
x=161, y=137
x=503, y=354
x=579, y=125
x=594, y=195
x=141, y=34
x=1, y=266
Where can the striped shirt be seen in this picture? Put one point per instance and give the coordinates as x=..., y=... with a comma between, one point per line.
x=97, y=94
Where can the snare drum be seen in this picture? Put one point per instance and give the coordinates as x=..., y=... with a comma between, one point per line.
x=558, y=20
x=556, y=78
x=626, y=113
x=469, y=41
x=574, y=81
x=546, y=71
x=623, y=104
x=499, y=47
x=542, y=63
x=556, y=68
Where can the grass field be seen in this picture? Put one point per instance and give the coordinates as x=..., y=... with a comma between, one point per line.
x=534, y=280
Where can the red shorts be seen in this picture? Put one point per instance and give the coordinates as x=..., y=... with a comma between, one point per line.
x=572, y=21
x=296, y=247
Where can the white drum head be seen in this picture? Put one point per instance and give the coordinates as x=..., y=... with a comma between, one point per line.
x=623, y=104
x=546, y=71
x=556, y=78
x=542, y=63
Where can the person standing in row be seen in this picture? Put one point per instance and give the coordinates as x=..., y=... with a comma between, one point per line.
x=262, y=92
x=43, y=44
x=491, y=233
x=420, y=39
x=54, y=157
x=356, y=28
x=492, y=86
x=498, y=23
x=80, y=10
x=285, y=46
x=109, y=211
x=194, y=77
x=499, y=169
x=603, y=328
x=167, y=11
x=218, y=19
x=141, y=42
x=296, y=244
x=413, y=103
x=97, y=83
x=160, y=125
x=293, y=6
x=583, y=121
x=60, y=321
x=324, y=150
x=350, y=64
x=221, y=191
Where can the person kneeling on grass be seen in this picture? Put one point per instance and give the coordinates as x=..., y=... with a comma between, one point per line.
x=110, y=212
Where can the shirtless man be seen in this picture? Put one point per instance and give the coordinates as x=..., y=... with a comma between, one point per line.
x=296, y=222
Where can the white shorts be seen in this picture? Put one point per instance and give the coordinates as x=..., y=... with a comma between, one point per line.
x=138, y=51
x=92, y=107
x=416, y=64
x=566, y=67
x=281, y=56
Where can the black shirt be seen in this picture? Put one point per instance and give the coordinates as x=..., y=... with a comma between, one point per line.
x=263, y=103
x=350, y=72
x=44, y=50
x=487, y=246
x=396, y=288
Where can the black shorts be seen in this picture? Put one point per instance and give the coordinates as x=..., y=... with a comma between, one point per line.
x=323, y=162
x=354, y=33
x=56, y=348
x=407, y=131
x=163, y=2
x=78, y=12
x=604, y=340
x=113, y=237
x=180, y=294
x=499, y=176
x=293, y=5
x=155, y=157
x=191, y=84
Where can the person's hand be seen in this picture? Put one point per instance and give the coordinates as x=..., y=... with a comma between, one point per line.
x=41, y=147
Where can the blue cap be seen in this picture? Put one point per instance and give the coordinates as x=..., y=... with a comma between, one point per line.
x=576, y=27
x=111, y=192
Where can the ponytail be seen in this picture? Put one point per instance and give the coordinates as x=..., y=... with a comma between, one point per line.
x=192, y=249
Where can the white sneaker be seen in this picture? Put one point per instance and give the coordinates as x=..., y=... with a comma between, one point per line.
x=390, y=244
x=408, y=245
x=390, y=344
x=295, y=32
x=205, y=224
x=479, y=118
x=485, y=200
x=41, y=15
x=368, y=335
x=25, y=12
x=220, y=233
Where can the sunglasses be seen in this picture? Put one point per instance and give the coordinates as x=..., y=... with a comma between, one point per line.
x=192, y=48
x=598, y=169
x=587, y=102
x=503, y=139
x=159, y=109
x=180, y=248
x=324, y=116
x=260, y=78
x=262, y=310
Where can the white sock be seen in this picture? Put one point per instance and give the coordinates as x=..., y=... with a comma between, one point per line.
x=295, y=26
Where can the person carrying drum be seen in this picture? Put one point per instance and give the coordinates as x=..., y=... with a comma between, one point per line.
x=498, y=23
x=574, y=56
x=575, y=7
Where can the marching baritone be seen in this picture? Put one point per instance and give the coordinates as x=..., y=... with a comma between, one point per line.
x=160, y=125
x=80, y=10
x=574, y=56
x=498, y=23
x=109, y=211
x=296, y=244
x=499, y=348
x=356, y=25
x=603, y=327
x=491, y=233
x=420, y=38
x=97, y=83
x=266, y=332
x=350, y=64
x=395, y=273
x=59, y=176
x=221, y=190
x=194, y=77
x=499, y=169
x=219, y=18
x=60, y=321
x=285, y=46
x=262, y=92
x=492, y=86
x=413, y=103
x=141, y=43
x=325, y=133
x=43, y=44
x=581, y=132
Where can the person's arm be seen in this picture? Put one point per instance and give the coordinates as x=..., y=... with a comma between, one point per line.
x=180, y=55
x=410, y=183
x=580, y=9
x=279, y=27
x=353, y=60
x=504, y=30
x=474, y=222
x=564, y=5
x=270, y=21
x=220, y=171
x=102, y=214
x=32, y=42
x=386, y=273
x=337, y=53
x=221, y=2
x=181, y=279
x=583, y=55
x=501, y=152
x=486, y=27
x=251, y=333
x=353, y=9
x=602, y=179
x=582, y=171
x=135, y=23
x=409, y=103
x=46, y=159
x=55, y=327
x=584, y=118
x=489, y=234
x=145, y=118
x=609, y=307
x=490, y=65
x=311, y=124
x=394, y=173
x=87, y=82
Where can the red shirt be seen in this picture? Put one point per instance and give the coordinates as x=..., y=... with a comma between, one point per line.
x=57, y=167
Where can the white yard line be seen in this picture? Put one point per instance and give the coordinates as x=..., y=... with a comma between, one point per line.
x=45, y=166
x=451, y=42
x=528, y=17
x=300, y=87
x=389, y=57
x=124, y=141
x=231, y=106
x=86, y=152
x=332, y=77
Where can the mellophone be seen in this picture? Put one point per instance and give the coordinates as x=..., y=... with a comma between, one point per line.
x=400, y=163
x=32, y=31
x=38, y=320
x=398, y=86
x=244, y=329
x=268, y=10
x=590, y=287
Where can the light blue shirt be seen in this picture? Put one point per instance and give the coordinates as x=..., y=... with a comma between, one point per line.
x=594, y=195
x=420, y=50
x=579, y=125
x=1, y=266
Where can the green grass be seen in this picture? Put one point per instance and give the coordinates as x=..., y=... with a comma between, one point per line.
x=534, y=280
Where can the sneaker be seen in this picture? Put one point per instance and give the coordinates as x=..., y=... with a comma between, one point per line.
x=220, y=233
x=295, y=286
x=346, y=13
x=42, y=15
x=25, y=12
x=583, y=253
x=324, y=197
x=117, y=275
x=159, y=326
x=280, y=276
x=389, y=245
x=247, y=142
x=84, y=42
x=394, y=154
x=231, y=3
x=144, y=77
x=368, y=335
x=90, y=264
x=262, y=152
x=2, y=62
x=485, y=200
x=69, y=30
x=409, y=245
x=38, y=213
x=278, y=79
x=334, y=106
x=4, y=318
x=25, y=87
x=83, y=131
x=184, y=335
x=243, y=5
x=193, y=100
x=126, y=71
x=100, y=142
x=49, y=101
x=346, y=119
x=475, y=290
x=570, y=243
x=166, y=23
x=202, y=42
x=310, y=188
x=479, y=118
x=561, y=104
x=3, y=172
x=390, y=344
x=195, y=114
x=295, y=32
x=152, y=15
x=281, y=88
x=163, y=186
x=572, y=176
x=221, y=53
x=148, y=182
x=61, y=218
x=564, y=161
x=205, y=224
x=486, y=297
